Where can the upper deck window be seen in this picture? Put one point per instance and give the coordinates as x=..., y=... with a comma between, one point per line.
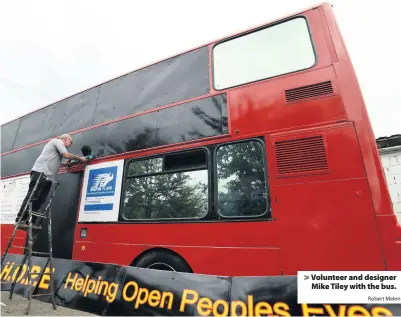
x=280, y=49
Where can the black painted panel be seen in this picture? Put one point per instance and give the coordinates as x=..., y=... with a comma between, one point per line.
x=193, y=120
x=65, y=116
x=64, y=215
x=178, y=78
x=33, y=127
x=8, y=133
x=73, y=113
x=20, y=161
x=131, y=134
x=95, y=138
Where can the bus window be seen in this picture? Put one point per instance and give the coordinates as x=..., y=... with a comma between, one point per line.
x=241, y=180
x=276, y=50
x=173, y=186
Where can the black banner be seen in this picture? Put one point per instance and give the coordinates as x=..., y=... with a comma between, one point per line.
x=112, y=290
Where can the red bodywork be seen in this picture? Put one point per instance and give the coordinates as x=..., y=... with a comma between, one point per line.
x=339, y=220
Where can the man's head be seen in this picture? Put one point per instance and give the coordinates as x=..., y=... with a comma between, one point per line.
x=67, y=139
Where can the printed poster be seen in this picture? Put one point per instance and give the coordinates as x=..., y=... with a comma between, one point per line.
x=13, y=191
x=101, y=191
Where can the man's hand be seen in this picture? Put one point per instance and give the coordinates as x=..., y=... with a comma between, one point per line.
x=70, y=156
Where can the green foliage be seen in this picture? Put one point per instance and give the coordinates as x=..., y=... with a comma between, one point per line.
x=241, y=179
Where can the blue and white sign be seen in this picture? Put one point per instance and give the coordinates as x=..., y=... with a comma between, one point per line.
x=101, y=189
x=100, y=199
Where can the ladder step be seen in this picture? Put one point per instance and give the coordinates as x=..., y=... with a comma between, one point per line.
x=39, y=215
x=45, y=253
x=17, y=247
x=34, y=230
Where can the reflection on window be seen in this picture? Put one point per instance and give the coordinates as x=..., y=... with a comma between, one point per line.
x=241, y=180
x=145, y=166
x=174, y=195
x=273, y=51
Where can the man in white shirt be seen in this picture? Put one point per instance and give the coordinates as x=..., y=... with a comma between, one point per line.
x=47, y=163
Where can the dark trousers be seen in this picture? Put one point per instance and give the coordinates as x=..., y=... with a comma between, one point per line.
x=38, y=198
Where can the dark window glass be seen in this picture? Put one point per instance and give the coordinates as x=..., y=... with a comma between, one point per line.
x=20, y=161
x=194, y=120
x=175, y=79
x=168, y=187
x=8, y=135
x=241, y=180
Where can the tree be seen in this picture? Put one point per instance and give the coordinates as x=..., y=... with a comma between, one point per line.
x=174, y=195
x=241, y=179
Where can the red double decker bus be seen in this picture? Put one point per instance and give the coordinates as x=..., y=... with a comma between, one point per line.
x=250, y=155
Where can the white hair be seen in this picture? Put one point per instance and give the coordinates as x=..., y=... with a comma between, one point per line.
x=66, y=136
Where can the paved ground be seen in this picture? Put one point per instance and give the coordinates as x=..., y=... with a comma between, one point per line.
x=17, y=307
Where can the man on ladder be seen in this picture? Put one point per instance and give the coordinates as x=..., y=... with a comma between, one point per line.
x=47, y=163
x=43, y=175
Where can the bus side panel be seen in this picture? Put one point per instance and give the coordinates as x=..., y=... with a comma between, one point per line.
x=328, y=226
x=324, y=203
x=214, y=260
x=227, y=248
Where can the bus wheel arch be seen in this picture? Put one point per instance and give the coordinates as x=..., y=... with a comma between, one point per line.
x=162, y=259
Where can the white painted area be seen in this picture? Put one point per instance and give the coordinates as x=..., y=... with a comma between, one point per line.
x=100, y=198
x=391, y=161
x=13, y=191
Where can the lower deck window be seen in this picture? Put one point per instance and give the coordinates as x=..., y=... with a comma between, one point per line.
x=176, y=186
x=241, y=180
x=167, y=190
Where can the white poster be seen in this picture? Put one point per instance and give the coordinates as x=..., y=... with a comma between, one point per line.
x=13, y=191
x=101, y=191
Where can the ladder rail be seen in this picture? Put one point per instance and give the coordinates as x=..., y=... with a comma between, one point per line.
x=29, y=258
x=51, y=262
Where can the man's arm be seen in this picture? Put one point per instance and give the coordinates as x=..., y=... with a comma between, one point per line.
x=73, y=157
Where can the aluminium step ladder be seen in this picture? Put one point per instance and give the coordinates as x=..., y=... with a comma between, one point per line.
x=30, y=239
